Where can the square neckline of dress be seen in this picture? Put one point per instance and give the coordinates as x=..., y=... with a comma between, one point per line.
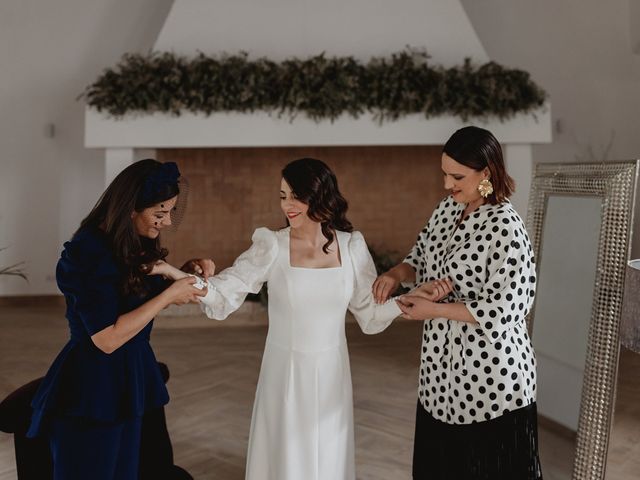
x=288, y=249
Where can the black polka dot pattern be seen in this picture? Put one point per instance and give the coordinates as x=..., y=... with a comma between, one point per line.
x=476, y=372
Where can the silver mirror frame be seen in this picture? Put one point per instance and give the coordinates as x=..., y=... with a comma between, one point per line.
x=615, y=183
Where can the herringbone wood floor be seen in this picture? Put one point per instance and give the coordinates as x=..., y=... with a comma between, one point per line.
x=214, y=367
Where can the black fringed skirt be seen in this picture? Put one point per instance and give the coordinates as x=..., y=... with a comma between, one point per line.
x=505, y=448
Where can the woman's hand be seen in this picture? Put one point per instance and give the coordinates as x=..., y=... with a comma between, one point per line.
x=421, y=302
x=183, y=291
x=159, y=268
x=388, y=282
x=416, y=308
x=385, y=285
x=167, y=270
x=200, y=266
x=434, y=291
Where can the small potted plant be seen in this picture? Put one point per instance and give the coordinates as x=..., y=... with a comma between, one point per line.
x=15, y=270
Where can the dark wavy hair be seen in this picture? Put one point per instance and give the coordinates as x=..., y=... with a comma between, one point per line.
x=314, y=184
x=477, y=148
x=132, y=190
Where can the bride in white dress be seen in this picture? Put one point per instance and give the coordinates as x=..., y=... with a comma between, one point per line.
x=316, y=269
x=302, y=423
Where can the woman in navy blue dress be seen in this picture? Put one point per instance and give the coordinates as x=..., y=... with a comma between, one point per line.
x=92, y=399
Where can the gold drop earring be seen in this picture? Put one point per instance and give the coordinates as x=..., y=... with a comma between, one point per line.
x=485, y=188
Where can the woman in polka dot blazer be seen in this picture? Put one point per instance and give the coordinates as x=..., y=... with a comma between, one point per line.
x=476, y=416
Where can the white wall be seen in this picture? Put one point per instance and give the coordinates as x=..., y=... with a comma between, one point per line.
x=581, y=52
x=284, y=28
x=49, y=51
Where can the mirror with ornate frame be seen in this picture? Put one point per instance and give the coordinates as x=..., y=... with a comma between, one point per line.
x=580, y=221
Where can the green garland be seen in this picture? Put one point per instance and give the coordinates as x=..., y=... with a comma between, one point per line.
x=321, y=87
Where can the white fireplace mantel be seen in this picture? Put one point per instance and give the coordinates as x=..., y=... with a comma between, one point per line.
x=123, y=138
x=260, y=129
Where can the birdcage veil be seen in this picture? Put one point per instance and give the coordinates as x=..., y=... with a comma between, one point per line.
x=162, y=184
x=180, y=208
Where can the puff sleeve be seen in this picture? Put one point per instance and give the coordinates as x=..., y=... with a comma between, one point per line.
x=507, y=296
x=228, y=289
x=371, y=317
x=89, y=279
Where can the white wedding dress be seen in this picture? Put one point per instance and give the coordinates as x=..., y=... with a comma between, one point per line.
x=302, y=423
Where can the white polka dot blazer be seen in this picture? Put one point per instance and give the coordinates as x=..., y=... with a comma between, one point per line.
x=476, y=372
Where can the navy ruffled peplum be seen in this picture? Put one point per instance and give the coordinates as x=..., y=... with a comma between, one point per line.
x=83, y=381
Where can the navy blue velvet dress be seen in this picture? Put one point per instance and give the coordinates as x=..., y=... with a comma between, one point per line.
x=83, y=382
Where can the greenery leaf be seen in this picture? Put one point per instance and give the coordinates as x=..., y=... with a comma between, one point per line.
x=320, y=87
